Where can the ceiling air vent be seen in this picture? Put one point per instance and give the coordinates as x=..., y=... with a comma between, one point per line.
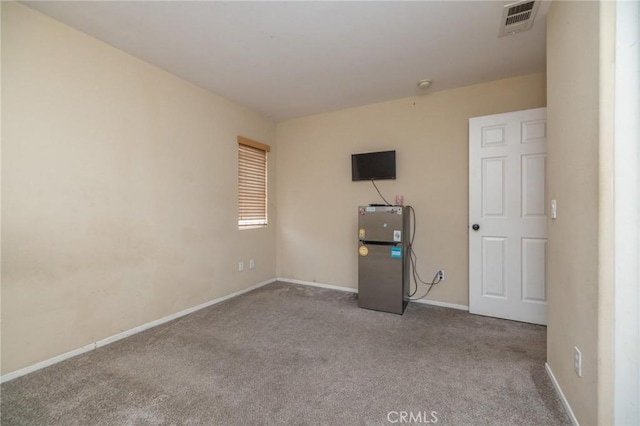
x=518, y=16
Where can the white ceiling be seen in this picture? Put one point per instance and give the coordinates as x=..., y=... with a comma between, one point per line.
x=292, y=59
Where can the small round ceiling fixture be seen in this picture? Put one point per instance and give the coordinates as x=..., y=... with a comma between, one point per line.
x=424, y=83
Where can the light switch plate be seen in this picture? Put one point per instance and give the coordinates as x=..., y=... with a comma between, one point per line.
x=577, y=361
x=554, y=209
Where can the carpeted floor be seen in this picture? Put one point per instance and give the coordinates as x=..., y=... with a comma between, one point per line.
x=299, y=355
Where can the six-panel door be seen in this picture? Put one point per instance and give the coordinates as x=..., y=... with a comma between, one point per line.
x=507, y=253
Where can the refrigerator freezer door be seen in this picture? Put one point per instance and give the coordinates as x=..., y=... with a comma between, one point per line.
x=380, y=278
x=381, y=224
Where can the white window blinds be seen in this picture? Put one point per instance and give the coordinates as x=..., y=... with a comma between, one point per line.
x=252, y=183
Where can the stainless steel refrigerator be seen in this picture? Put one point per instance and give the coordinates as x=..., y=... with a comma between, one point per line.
x=383, y=260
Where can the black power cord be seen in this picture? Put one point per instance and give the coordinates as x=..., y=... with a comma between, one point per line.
x=379, y=193
x=414, y=262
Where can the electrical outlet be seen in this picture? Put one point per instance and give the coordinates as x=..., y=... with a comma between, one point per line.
x=577, y=361
x=440, y=274
x=241, y=266
x=252, y=264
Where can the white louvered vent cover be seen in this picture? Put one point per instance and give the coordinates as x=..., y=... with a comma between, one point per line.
x=518, y=16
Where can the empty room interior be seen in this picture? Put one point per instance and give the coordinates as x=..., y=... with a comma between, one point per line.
x=320, y=212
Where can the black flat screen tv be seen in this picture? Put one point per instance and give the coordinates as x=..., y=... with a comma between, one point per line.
x=373, y=165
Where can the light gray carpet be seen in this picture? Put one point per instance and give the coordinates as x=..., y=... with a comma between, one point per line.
x=298, y=355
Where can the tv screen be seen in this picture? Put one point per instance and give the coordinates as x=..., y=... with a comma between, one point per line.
x=373, y=165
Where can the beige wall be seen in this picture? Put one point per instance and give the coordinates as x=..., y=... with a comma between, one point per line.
x=119, y=191
x=579, y=87
x=317, y=201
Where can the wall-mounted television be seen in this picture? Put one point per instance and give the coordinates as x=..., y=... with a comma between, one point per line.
x=373, y=165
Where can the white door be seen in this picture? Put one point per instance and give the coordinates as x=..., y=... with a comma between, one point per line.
x=508, y=223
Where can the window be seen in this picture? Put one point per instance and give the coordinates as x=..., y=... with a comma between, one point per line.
x=252, y=183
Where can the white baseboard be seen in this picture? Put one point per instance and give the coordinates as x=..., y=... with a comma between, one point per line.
x=321, y=285
x=442, y=304
x=354, y=290
x=563, y=399
x=126, y=333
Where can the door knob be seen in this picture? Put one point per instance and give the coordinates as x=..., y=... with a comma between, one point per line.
x=475, y=227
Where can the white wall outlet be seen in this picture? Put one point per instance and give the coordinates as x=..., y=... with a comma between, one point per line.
x=252, y=264
x=577, y=361
x=554, y=209
x=241, y=266
x=440, y=274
